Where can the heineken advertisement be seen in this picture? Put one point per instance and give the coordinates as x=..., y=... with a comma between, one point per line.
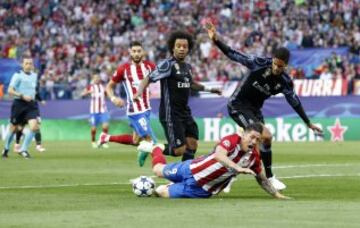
x=211, y=129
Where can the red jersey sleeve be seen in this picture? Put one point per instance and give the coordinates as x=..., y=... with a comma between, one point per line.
x=89, y=88
x=119, y=74
x=150, y=65
x=256, y=167
x=229, y=142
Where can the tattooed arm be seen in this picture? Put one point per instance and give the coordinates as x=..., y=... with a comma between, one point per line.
x=268, y=187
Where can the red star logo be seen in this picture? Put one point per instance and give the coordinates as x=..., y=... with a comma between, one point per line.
x=337, y=131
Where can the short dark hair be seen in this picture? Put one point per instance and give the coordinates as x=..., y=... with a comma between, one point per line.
x=135, y=43
x=283, y=54
x=179, y=35
x=255, y=127
x=26, y=56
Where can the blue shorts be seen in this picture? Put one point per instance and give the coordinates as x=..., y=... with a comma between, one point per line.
x=99, y=118
x=141, y=124
x=184, y=185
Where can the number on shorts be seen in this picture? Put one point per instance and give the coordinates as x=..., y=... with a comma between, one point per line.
x=143, y=123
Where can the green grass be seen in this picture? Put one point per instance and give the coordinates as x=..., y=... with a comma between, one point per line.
x=72, y=185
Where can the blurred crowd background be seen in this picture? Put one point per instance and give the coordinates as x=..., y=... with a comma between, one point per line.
x=73, y=39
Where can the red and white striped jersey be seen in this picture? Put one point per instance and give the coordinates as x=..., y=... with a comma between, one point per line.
x=212, y=176
x=131, y=75
x=98, y=94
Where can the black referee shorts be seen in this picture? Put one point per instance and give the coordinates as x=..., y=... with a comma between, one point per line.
x=176, y=131
x=244, y=117
x=23, y=111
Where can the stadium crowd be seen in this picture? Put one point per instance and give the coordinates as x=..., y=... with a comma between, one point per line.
x=72, y=39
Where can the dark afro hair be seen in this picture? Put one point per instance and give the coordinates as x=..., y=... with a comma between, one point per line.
x=179, y=35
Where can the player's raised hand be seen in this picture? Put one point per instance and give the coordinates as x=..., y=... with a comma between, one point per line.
x=211, y=30
x=117, y=101
x=318, y=131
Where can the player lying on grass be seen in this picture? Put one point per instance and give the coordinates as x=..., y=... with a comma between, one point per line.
x=209, y=174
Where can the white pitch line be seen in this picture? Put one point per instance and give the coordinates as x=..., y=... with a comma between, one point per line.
x=128, y=183
x=63, y=185
x=315, y=165
x=320, y=175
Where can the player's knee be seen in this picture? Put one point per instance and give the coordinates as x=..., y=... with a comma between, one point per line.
x=162, y=191
x=34, y=127
x=136, y=141
x=180, y=150
x=192, y=144
x=158, y=170
x=267, y=137
x=12, y=128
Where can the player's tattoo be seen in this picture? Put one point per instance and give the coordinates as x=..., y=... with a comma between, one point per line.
x=265, y=184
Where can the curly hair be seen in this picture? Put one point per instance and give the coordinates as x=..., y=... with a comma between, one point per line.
x=179, y=35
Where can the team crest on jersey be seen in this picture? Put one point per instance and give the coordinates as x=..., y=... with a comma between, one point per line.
x=277, y=86
x=226, y=143
x=267, y=73
x=178, y=142
x=177, y=67
x=245, y=160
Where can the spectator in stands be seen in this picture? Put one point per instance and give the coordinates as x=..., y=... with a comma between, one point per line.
x=74, y=39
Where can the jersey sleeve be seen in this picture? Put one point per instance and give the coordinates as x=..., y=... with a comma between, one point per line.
x=229, y=142
x=162, y=70
x=244, y=59
x=89, y=88
x=118, y=76
x=293, y=99
x=151, y=65
x=15, y=81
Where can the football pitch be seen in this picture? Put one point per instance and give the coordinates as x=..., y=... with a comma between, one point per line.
x=73, y=185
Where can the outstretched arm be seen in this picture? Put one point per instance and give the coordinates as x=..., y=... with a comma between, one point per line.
x=85, y=92
x=236, y=56
x=162, y=70
x=268, y=187
x=295, y=103
x=199, y=87
x=110, y=92
x=143, y=85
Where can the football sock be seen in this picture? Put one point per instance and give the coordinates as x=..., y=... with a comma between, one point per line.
x=28, y=138
x=93, y=134
x=38, y=137
x=157, y=156
x=123, y=139
x=18, y=136
x=189, y=154
x=266, y=157
x=8, y=139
